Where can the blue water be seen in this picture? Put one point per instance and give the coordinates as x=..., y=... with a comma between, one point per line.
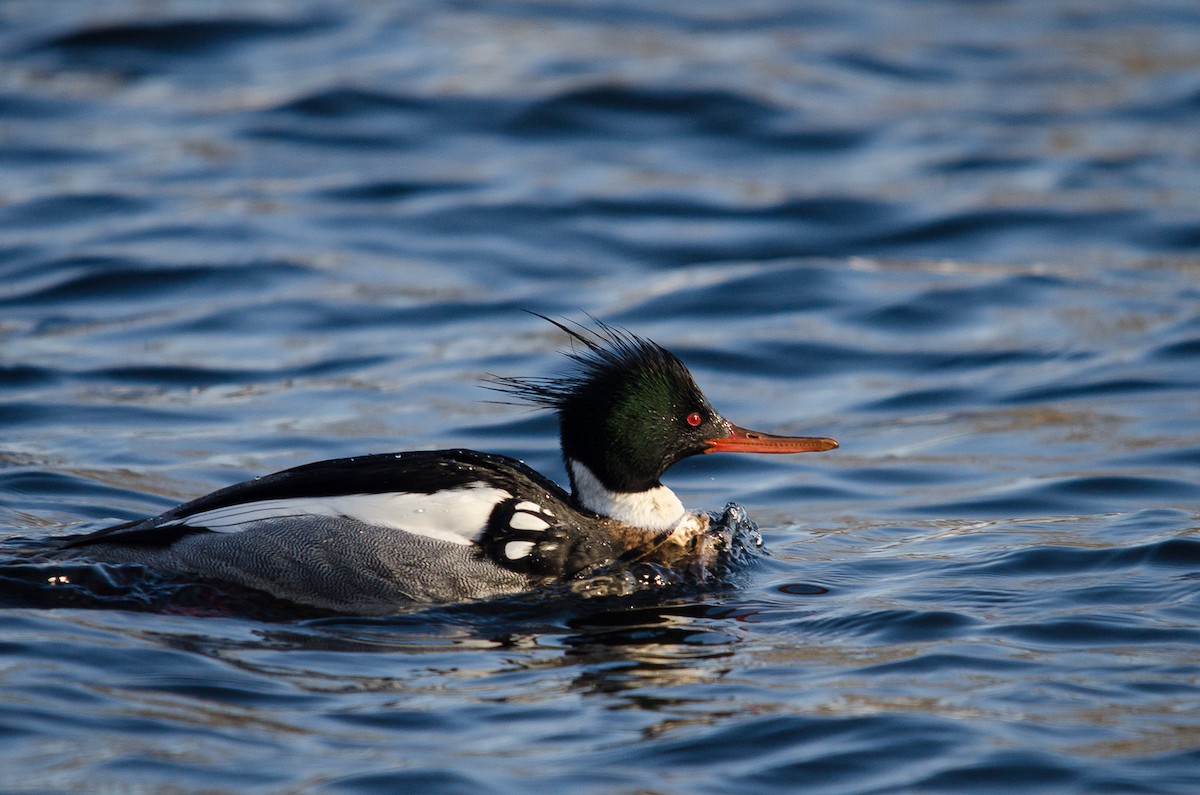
x=961, y=238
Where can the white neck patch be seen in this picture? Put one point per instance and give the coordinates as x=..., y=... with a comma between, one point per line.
x=655, y=509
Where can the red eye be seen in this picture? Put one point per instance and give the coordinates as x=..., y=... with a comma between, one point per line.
x=694, y=419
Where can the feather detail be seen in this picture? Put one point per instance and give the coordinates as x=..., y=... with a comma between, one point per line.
x=597, y=356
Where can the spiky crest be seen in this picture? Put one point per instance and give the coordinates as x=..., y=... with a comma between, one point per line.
x=622, y=408
x=603, y=355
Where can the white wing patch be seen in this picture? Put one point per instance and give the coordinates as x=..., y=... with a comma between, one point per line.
x=515, y=550
x=456, y=515
x=532, y=507
x=527, y=521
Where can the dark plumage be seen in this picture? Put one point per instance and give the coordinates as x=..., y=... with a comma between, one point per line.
x=365, y=534
x=623, y=409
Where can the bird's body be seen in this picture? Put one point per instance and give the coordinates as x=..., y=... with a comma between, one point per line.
x=366, y=533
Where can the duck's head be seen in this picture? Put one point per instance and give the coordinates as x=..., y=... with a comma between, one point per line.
x=629, y=410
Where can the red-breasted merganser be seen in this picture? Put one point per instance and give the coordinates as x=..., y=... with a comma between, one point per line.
x=372, y=532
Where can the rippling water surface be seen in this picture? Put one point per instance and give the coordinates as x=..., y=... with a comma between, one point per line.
x=962, y=238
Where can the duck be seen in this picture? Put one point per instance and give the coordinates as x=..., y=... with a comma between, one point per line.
x=373, y=533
